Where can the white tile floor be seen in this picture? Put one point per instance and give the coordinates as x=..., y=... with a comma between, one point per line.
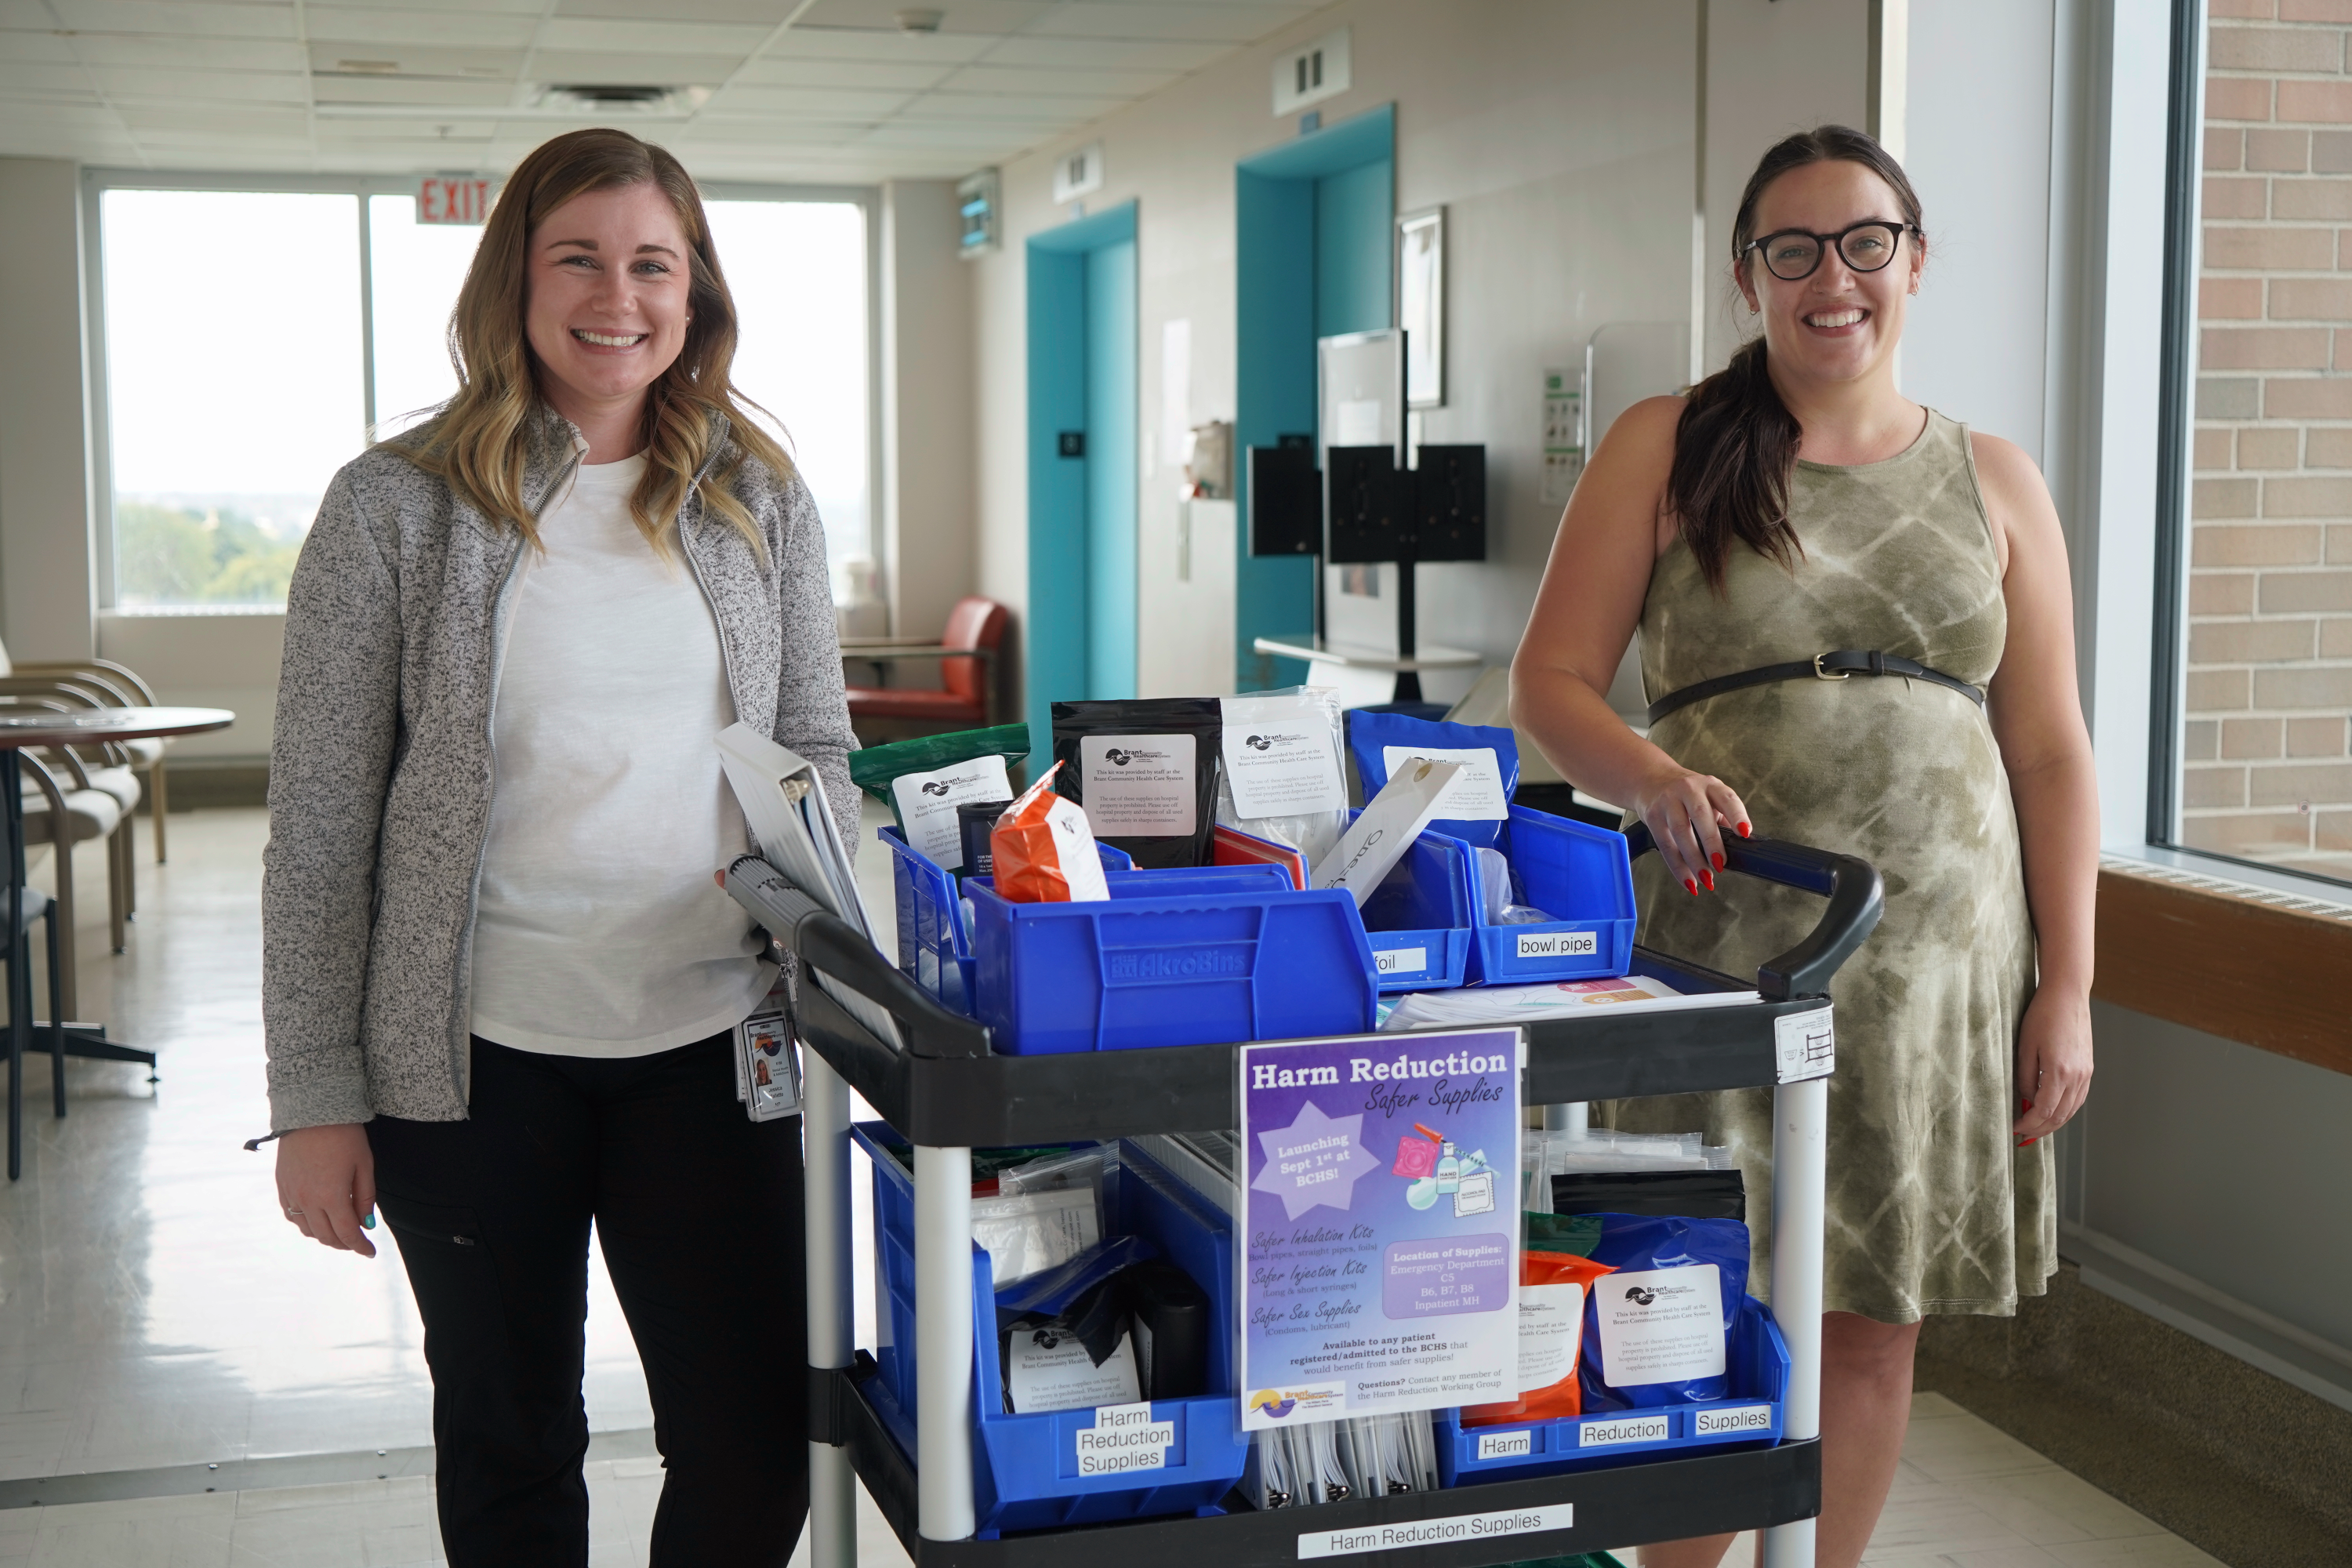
x=154, y=1311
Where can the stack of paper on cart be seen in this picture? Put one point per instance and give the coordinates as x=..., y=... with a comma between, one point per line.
x=1562, y=999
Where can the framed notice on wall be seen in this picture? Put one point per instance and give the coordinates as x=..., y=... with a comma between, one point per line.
x=1421, y=305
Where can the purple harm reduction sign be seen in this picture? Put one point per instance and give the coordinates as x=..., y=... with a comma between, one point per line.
x=1380, y=1250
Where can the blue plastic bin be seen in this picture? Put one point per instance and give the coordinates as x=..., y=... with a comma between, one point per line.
x=1568, y=868
x=1419, y=919
x=934, y=947
x=1192, y=956
x=1025, y=1472
x=1758, y=1363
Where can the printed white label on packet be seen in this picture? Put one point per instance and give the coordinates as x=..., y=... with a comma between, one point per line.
x=1406, y=1532
x=1044, y=1371
x=1073, y=846
x=1278, y=757
x=1139, y=785
x=1124, y=1438
x=1399, y=960
x=1551, y=1326
x=1626, y=1429
x=1475, y=796
x=927, y=805
x=1660, y=1325
x=1559, y=943
x=1516, y=1444
x=1805, y=1044
x=1744, y=1418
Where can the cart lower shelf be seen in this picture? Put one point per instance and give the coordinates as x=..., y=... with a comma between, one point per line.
x=1637, y=1502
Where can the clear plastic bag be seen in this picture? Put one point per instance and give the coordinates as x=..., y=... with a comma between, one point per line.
x=1546, y=1154
x=1307, y=717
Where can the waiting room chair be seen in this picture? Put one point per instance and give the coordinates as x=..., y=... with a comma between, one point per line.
x=970, y=651
x=107, y=685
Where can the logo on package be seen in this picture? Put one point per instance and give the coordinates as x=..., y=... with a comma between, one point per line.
x=1648, y=1295
x=1314, y=1400
x=1268, y=743
x=1118, y=757
x=941, y=786
x=1177, y=963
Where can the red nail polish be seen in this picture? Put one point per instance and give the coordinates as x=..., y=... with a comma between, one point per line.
x=1719, y=859
x=1692, y=886
x=1708, y=878
x=1743, y=830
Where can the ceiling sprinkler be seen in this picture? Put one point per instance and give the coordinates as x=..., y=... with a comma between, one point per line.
x=919, y=21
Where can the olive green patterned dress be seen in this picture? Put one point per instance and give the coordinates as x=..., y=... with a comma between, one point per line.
x=1931, y=1208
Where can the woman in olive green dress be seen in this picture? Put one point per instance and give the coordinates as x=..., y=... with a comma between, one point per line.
x=1795, y=504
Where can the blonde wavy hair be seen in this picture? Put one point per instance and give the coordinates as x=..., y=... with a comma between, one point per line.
x=477, y=443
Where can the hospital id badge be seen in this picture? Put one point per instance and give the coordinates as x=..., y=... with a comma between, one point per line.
x=768, y=1066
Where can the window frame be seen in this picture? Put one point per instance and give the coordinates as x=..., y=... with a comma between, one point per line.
x=98, y=180
x=2176, y=441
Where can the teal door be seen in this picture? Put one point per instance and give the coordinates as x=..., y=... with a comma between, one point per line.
x=1314, y=254
x=1083, y=465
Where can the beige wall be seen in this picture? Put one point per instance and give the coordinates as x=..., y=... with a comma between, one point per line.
x=46, y=598
x=927, y=507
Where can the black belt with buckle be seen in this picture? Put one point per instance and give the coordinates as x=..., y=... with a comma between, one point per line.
x=1835, y=666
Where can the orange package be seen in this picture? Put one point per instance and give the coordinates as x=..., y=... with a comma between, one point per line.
x=1044, y=851
x=1551, y=1329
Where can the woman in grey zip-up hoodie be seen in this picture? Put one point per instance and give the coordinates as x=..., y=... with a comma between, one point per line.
x=499, y=984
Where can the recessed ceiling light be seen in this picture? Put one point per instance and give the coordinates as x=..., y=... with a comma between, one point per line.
x=369, y=68
x=919, y=21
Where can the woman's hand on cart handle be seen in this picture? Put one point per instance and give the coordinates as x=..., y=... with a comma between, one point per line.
x=326, y=1184
x=1687, y=814
x=2054, y=1061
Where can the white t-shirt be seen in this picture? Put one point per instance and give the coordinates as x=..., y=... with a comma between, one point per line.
x=599, y=932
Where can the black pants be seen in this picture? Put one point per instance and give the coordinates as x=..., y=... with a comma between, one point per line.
x=699, y=1212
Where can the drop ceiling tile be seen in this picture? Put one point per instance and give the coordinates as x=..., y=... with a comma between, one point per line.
x=80, y=118
x=1107, y=53
x=809, y=43
x=804, y=104
x=955, y=15
x=1125, y=85
x=457, y=64
x=208, y=19
x=769, y=132
x=765, y=13
x=127, y=84
x=770, y=71
x=656, y=71
x=46, y=80
x=35, y=45
x=984, y=145
x=457, y=96
x=976, y=110
x=260, y=123
x=1227, y=24
x=410, y=134
x=182, y=53
x=661, y=37
x=343, y=26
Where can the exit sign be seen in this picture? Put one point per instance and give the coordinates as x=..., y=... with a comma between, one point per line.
x=441, y=199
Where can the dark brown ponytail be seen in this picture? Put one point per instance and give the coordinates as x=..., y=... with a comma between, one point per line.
x=1736, y=443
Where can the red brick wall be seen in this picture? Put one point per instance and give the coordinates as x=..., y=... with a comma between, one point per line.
x=2267, y=774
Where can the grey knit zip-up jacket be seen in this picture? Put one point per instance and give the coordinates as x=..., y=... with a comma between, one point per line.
x=381, y=771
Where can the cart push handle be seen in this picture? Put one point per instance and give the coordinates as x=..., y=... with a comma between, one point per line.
x=1856, y=895
x=834, y=948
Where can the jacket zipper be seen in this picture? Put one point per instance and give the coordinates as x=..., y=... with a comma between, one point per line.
x=461, y=1019
x=718, y=623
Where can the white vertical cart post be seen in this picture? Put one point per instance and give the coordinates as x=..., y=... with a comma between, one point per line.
x=946, y=1092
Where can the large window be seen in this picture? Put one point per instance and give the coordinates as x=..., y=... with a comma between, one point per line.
x=254, y=337
x=2264, y=741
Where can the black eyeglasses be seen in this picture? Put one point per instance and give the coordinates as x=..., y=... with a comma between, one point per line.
x=1794, y=254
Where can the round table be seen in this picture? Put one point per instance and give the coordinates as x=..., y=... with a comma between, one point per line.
x=20, y=728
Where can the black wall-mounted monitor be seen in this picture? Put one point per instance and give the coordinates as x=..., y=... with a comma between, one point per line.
x=1285, y=500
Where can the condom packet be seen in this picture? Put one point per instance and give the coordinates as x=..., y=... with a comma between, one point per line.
x=924, y=780
x=1044, y=852
x=1552, y=1287
x=1476, y=808
x=1657, y=1330
x=1282, y=778
x=1146, y=771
